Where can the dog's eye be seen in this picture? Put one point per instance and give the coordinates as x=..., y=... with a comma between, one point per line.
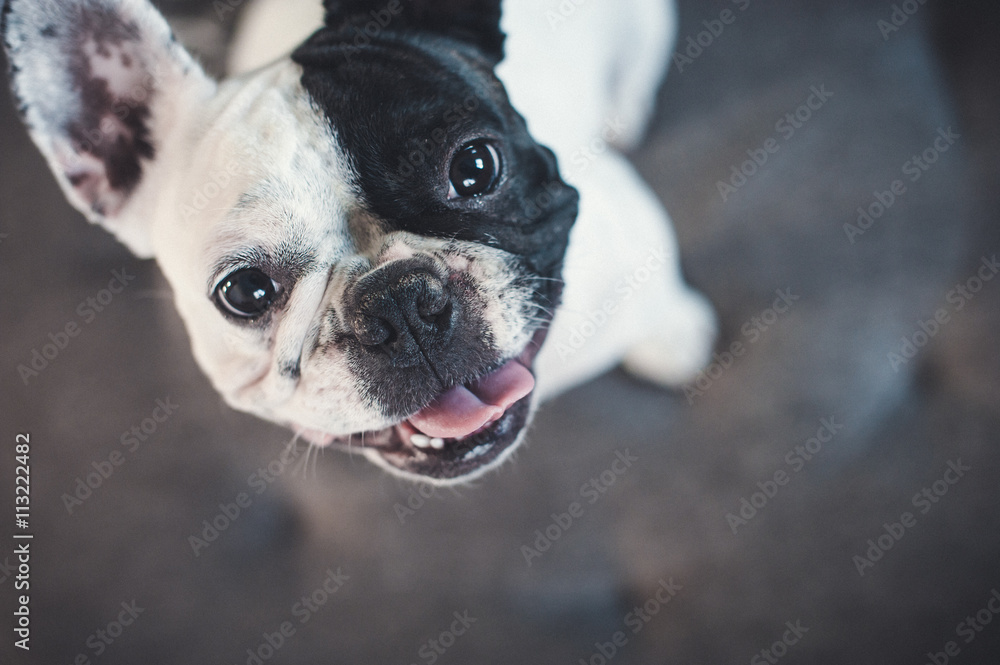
x=247, y=293
x=475, y=169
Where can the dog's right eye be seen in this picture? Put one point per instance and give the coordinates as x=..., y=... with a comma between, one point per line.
x=246, y=293
x=475, y=169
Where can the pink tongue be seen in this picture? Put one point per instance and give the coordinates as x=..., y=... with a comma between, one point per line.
x=461, y=411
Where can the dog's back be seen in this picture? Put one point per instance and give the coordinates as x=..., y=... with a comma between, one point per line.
x=571, y=68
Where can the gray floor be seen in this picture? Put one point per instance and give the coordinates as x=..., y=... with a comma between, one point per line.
x=412, y=562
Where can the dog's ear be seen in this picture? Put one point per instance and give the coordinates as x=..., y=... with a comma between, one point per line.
x=102, y=85
x=473, y=21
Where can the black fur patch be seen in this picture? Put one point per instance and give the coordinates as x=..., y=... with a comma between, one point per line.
x=292, y=371
x=121, y=149
x=113, y=129
x=4, y=17
x=475, y=22
x=401, y=107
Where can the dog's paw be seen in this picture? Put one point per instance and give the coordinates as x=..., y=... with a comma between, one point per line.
x=681, y=346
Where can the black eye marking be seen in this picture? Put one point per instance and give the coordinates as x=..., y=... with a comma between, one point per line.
x=246, y=293
x=292, y=370
x=475, y=170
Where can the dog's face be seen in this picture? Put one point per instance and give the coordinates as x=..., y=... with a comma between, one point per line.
x=363, y=240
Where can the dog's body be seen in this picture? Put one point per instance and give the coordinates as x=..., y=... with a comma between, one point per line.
x=363, y=240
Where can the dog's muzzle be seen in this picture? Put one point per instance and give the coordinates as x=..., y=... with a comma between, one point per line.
x=424, y=356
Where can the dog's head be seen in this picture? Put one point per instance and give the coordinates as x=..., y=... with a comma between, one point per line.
x=363, y=240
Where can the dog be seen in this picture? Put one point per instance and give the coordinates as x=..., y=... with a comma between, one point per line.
x=366, y=242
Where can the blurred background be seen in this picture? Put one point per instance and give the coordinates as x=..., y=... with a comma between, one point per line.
x=763, y=517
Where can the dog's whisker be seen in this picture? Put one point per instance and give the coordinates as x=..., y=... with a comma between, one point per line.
x=292, y=442
x=546, y=310
x=316, y=454
x=302, y=463
x=305, y=462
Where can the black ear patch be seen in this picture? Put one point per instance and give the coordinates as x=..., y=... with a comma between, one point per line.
x=94, y=81
x=476, y=22
x=112, y=123
x=82, y=80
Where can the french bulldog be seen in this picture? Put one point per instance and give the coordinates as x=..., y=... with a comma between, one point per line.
x=365, y=242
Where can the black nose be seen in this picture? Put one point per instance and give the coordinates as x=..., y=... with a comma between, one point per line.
x=403, y=310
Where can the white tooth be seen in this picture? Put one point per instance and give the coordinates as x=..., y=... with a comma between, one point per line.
x=478, y=451
x=420, y=440
x=437, y=444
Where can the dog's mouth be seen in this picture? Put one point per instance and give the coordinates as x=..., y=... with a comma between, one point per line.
x=463, y=432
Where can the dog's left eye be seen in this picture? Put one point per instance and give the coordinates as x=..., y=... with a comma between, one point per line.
x=475, y=169
x=246, y=293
